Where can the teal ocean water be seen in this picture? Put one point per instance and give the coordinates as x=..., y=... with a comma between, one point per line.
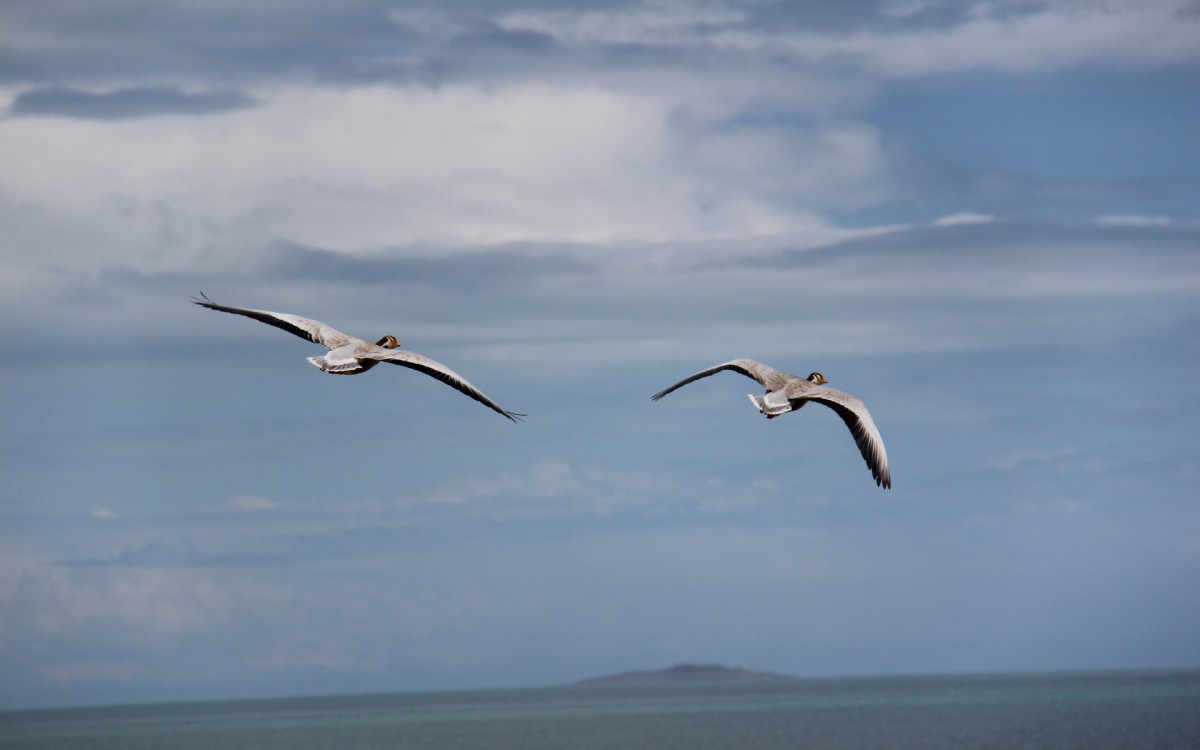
x=1092, y=711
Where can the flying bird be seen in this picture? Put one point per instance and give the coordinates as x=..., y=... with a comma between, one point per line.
x=787, y=392
x=350, y=355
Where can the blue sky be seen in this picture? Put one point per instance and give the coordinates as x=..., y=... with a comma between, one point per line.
x=981, y=218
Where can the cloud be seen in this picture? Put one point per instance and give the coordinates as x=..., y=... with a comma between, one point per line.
x=549, y=480
x=471, y=270
x=379, y=171
x=124, y=104
x=1135, y=220
x=158, y=554
x=365, y=168
x=893, y=39
x=963, y=218
x=428, y=44
x=131, y=631
x=1063, y=35
x=251, y=503
x=1018, y=458
x=554, y=489
x=752, y=146
x=180, y=551
x=156, y=604
x=1039, y=260
x=221, y=41
x=568, y=311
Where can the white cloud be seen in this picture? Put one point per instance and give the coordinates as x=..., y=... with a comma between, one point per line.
x=1015, y=459
x=555, y=489
x=1061, y=35
x=365, y=168
x=665, y=156
x=12, y=568
x=1052, y=37
x=963, y=218
x=157, y=604
x=547, y=488
x=1134, y=220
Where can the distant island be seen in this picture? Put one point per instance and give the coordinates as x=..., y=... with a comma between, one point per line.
x=687, y=673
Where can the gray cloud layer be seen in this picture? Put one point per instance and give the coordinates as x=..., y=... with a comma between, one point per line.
x=125, y=103
x=440, y=42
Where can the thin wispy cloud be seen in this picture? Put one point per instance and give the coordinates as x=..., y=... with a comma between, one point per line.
x=124, y=104
x=251, y=503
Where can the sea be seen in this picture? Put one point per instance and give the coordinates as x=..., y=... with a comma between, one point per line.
x=1154, y=710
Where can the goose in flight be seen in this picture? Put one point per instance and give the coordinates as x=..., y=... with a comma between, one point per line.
x=787, y=392
x=349, y=355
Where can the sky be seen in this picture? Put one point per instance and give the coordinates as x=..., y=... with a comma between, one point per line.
x=982, y=218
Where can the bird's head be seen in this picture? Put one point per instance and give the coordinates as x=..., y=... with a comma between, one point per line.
x=817, y=378
x=388, y=342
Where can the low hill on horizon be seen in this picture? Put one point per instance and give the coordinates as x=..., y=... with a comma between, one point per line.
x=682, y=673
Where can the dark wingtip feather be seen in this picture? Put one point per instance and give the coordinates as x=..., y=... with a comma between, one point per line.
x=202, y=300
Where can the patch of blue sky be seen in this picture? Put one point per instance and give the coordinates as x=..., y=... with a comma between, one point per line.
x=1079, y=124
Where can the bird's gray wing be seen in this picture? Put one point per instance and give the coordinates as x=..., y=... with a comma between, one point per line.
x=306, y=328
x=436, y=369
x=854, y=413
x=748, y=367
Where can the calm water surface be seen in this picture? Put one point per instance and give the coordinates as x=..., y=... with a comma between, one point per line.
x=1096, y=711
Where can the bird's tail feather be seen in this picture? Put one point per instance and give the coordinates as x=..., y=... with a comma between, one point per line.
x=772, y=407
x=341, y=367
